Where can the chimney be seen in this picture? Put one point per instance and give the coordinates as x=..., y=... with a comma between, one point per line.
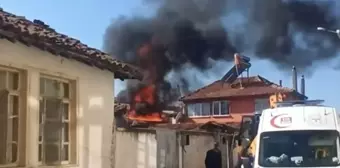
x=302, y=89
x=294, y=78
x=179, y=91
x=280, y=83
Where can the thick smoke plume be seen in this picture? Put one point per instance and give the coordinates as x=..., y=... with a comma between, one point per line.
x=195, y=33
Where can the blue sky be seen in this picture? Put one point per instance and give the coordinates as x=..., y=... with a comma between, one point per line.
x=87, y=20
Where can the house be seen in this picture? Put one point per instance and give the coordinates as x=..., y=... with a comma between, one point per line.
x=56, y=97
x=228, y=102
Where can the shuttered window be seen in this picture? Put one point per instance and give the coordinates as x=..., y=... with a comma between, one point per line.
x=54, y=122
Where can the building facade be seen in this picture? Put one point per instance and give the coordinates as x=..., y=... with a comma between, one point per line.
x=55, y=97
x=228, y=102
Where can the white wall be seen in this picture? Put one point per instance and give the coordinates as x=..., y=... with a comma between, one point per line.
x=94, y=101
x=194, y=154
x=135, y=150
x=138, y=149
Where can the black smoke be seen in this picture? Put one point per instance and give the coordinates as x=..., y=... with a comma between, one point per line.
x=196, y=33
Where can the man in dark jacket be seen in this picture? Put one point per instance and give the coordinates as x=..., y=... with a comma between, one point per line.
x=213, y=158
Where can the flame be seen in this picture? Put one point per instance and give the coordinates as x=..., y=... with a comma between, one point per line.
x=147, y=94
x=151, y=117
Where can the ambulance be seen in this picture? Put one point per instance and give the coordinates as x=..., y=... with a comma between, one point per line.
x=296, y=134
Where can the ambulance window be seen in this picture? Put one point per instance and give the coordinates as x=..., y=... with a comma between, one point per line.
x=310, y=148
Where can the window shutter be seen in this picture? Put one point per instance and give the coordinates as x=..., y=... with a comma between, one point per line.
x=3, y=125
x=52, y=127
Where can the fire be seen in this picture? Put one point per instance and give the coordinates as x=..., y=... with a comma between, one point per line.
x=145, y=103
x=152, y=117
x=146, y=94
x=144, y=106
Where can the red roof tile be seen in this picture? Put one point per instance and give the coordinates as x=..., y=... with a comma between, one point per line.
x=37, y=33
x=252, y=86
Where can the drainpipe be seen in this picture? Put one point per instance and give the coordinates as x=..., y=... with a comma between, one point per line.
x=180, y=152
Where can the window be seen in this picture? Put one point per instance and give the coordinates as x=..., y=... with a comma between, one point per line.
x=216, y=108
x=9, y=116
x=199, y=109
x=261, y=104
x=194, y=109
x=206, y=109
x=55, y=116
x=220, y=108
x=314, y=148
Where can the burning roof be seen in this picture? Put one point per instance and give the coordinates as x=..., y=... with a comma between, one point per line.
x=37, y=33
x=252, y=86
x=130, y=113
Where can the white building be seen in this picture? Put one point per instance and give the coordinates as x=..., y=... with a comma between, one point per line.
x=56, y=97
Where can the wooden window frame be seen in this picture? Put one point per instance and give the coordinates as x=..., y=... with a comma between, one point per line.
x=21, y=94
x=71, y=120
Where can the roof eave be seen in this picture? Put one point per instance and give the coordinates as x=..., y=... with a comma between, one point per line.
x=130, y=73
x=188, y=99
x=62, y=45
x=135, y=74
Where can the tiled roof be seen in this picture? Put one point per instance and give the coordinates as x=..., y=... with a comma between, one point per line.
x=224, y=126
x=123, y=108
x=198, y=126
x=252, y=86
x=38, y=34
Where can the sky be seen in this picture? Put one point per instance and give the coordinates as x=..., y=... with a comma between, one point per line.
x=87, y=21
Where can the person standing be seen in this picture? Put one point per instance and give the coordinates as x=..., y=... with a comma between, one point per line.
x=237, y=155
x=213, y=158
